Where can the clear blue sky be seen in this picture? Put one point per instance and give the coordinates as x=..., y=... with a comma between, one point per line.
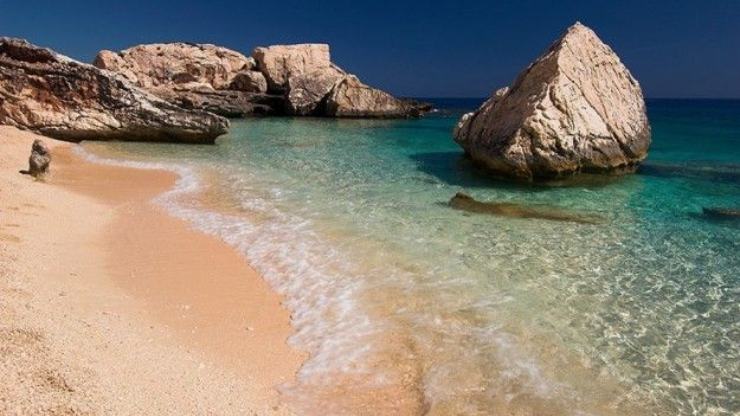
x=415, y=48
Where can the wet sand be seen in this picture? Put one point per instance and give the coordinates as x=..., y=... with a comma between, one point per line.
x=109, y=305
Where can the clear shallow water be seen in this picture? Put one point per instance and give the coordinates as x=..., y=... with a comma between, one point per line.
x=409, y=306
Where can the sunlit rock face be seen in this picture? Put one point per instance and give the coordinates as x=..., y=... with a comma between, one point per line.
x=50, y=93
x=575, y=109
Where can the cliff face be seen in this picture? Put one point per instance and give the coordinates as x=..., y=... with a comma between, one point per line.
x=575, y=109
x=50, y=93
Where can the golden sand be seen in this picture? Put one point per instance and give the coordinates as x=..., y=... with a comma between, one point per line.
x=109, y=305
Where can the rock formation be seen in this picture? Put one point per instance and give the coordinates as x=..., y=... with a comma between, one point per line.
x=279, y=63
x=575, y=109
x=202, y=76
x=281, y=79
x=313, y=85
x=165, y=64
x=38, y=162
x=304, y=74
x=47, y=92
x=351, y=98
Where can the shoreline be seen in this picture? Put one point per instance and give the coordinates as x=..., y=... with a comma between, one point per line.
x=121, y=320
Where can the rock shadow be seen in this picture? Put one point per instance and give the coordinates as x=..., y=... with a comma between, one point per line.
x=454, y=168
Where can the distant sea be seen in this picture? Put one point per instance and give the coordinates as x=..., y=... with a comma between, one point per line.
x=392, y=290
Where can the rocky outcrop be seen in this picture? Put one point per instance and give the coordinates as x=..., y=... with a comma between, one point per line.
x=40, y=159
x=351, y=98
x=575, y=109
x=227, y=103
x=47, y=92
x=248, y=81
x=279, y=63
x=313, y=85
x=282, y=79
x=306, y=92
x=303, y=73
x=162, y=64
x=196, y=76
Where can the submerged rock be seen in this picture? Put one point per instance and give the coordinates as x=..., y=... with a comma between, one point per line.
x=52, y=94
x=466, y=203
x=722, y=213
x=40, y=159
x=575, y=109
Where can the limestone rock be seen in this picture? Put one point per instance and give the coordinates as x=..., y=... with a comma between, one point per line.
x=202, y=76
x=38, y=162
x=160, y=64
x=227, y=103
x=50, y=93
x=306, y=92
x=248, y=81
x=575, y=109
x=281, y=62
x=351, y=98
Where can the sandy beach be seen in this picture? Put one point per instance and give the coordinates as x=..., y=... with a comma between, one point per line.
x=110, y=306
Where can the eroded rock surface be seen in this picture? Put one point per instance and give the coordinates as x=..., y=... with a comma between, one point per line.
x=351, y=98
x=313, y=85
x=196, y=76
x=160, y=64
x=575, y=109
x=279, y=63
x=50, y=93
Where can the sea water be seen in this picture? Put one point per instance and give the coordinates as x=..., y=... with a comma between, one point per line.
x=406, y=305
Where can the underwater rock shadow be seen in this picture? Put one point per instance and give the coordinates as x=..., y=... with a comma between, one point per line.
x=454, y=168
x=727, y=173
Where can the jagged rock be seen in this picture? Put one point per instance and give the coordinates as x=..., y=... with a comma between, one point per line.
x=50, y=93
x=575, y=109
x=249, y=81
x=196, y=76
x=306, y=92
x=38, y=162
x=464, y=202
x=351, y=98
x=313, y=85
x=227, y=103
x=158, y=64
x=281, y=62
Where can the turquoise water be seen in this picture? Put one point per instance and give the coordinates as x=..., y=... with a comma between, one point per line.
x=409, y=306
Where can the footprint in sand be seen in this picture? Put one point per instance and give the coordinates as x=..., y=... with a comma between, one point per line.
x=9, y=238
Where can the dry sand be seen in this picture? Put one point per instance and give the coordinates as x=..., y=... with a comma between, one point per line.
x=110, y=306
